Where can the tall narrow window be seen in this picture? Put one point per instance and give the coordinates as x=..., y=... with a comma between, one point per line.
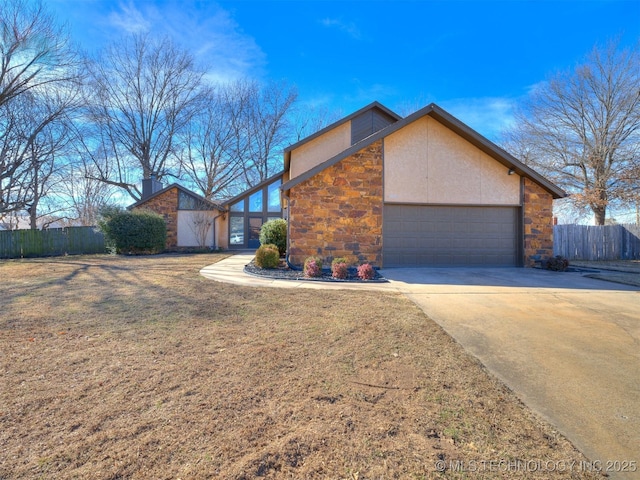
x=255, y=202
x=236, y=230
x=273, y=192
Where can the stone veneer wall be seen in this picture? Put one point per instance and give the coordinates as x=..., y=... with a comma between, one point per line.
x=166, y=205
x=338, y=212
x=538, y=223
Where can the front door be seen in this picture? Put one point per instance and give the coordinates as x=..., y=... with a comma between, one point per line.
x=255, y=224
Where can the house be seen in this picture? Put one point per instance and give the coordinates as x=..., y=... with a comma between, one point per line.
x=191, y=219
x=425, y=190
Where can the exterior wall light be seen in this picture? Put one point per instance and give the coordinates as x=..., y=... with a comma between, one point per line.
x=511, y=171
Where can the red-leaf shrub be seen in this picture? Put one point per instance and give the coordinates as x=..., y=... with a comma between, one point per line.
x=339, y=268
x=313, y=267
x=366, y=272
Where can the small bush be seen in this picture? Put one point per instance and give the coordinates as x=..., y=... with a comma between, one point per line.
x=267, y=256
x=134, y=232
x=313, y=267
x=557, y=263
x=274, y=232
x=339, y=268
x=366, y=272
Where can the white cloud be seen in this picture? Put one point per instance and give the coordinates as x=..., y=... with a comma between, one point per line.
x=129, y=19
x=350, y=28
x=489, y=116
x=203, y=28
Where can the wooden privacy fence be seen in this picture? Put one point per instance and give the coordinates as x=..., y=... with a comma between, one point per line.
x=50, y=242
x=586, y=242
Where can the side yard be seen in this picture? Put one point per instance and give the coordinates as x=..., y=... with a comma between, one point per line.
x=620, y=271
x=138, y=367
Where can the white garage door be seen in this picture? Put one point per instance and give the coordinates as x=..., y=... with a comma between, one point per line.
x=418, y=235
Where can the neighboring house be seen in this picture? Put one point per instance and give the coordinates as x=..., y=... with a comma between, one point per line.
x=425, y=190
x=191, y=219
x=21, y=222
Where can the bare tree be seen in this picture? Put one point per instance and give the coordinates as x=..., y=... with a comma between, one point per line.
x=308, y=120
x=81, y=195
x=39, y=77
x=214, y=145
x=201, y=224
x=268, y=129
x=34, y=51
x=236, y=139
x=35, y=133
x=582, y=129
x=142, y=95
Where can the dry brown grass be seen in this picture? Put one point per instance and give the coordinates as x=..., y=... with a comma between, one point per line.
x=137, y=367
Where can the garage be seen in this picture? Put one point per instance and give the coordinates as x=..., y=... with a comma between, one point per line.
x=436, y=236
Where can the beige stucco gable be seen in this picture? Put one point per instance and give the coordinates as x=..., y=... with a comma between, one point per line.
x=427, y=163
x=320, y=149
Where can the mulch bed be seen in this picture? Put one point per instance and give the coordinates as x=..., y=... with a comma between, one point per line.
x=284, y=272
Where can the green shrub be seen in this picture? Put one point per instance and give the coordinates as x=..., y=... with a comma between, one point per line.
x=313, y=267
x=339, y=268
x=267, y=256
x=134, y=232
x=275, y=232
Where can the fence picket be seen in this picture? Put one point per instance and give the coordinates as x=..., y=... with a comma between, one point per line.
x=51, y=242
x=588, y=242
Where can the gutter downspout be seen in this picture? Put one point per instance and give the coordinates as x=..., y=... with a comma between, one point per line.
x=214, y=246
x=286, y=258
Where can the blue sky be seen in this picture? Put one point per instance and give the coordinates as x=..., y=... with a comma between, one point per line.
x=476, y=59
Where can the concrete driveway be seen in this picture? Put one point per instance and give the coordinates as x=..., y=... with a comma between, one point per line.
x=567, y=345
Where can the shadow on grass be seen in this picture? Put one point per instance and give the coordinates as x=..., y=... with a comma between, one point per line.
x=125, y=290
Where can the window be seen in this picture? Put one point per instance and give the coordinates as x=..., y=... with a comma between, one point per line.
x=250, y=210
x=255, y=202
x=238, y=206
x=273, y=193
x=188, y=202
x=236, y=230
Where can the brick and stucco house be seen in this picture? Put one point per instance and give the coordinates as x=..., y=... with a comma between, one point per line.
x=191, y=219
x=425, y=190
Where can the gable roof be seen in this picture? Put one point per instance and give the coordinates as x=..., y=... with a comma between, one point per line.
x=453, y=124
x=371, y=106
x=180, y=188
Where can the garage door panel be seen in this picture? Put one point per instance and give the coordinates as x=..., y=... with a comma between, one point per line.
x=418, y=235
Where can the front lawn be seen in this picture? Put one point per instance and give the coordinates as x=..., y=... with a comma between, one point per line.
x=138, y=367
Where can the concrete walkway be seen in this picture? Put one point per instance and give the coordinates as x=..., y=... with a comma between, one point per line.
x=567, y=345
x=231, y=270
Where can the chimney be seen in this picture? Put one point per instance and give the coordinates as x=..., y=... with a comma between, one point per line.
x=150, y=186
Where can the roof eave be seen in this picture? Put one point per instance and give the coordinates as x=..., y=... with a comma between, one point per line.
x=179, y=187
x=253, y=189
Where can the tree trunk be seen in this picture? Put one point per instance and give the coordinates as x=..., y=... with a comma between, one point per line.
x=33, y=217
x=599, y=213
